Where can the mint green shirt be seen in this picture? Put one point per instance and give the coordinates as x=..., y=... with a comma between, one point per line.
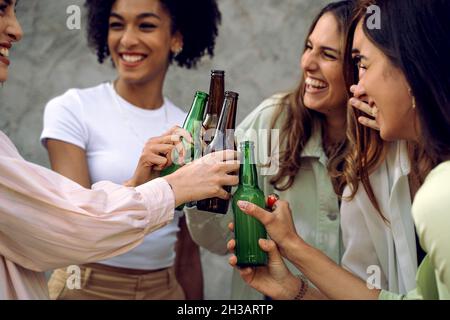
x=431, y=213
x=314, y=204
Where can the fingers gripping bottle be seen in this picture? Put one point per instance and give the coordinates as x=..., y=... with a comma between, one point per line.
x=192, y=124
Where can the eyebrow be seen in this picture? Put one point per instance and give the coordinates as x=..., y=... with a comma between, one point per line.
x=140, y=16
x=327, y=48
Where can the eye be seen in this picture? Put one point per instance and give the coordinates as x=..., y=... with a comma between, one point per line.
x=358, y=63
x=329, y=56
x=308, y=47
x=361, y=66
x=147, y=26
x=3, y=8
x=115, y=25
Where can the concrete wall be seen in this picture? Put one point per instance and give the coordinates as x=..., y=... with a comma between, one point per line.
x=259, y=47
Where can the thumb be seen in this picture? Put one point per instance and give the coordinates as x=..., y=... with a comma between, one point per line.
x=271, y=248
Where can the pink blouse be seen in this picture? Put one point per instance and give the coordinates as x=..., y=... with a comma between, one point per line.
x=48, y=221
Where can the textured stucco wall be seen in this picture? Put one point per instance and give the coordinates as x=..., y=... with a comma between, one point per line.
x=259, y=47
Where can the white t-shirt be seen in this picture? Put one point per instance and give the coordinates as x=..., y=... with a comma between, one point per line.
x=113, y=132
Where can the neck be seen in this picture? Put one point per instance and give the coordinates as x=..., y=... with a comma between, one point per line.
x=143, y=95
x=335, y=130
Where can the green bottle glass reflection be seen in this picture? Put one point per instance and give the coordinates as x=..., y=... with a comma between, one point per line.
x=247, y=229
x=192, y=124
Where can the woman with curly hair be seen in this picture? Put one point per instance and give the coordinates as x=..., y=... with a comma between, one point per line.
x=98, y=134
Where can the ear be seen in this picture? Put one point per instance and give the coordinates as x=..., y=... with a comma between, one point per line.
x=177, y=43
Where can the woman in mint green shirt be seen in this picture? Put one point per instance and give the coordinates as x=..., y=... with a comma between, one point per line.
x=404, y=76
x=307, y=155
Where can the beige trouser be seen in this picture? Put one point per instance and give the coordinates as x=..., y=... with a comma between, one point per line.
x=100, y=282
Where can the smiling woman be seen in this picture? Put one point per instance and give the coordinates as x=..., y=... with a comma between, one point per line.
x=13, y=33
x=311, y=120
x=48, y=221
x=142, y=38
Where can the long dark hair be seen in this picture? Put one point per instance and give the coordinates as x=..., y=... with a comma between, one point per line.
x=368, y=149
x=414, y=36
x=300, y=122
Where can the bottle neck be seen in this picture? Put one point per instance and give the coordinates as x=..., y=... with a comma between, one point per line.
x=228, y=116
x=224, y=133
x=248, y=175
x=196, y=112
x=216, y=95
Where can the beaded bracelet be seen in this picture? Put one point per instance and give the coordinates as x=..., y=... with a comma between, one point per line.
x=303, y=287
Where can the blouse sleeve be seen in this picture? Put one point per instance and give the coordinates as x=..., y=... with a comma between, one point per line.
x=48, y=221
x=431, y=212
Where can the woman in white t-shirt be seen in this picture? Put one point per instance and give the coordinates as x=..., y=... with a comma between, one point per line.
x=98, y=134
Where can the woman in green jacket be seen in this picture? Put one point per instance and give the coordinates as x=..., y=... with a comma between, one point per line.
x=305, y=164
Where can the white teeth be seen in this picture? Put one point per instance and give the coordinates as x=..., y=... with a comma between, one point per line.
x=315, y=83
x=4, y=52
x=132, y=58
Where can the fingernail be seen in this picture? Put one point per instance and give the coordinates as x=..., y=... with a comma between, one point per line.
x=243, y=204
x=352, y=101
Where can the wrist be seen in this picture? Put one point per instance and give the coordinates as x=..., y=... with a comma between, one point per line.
x=293, y=247
x=180, y=195
x=291, y=286
x=302, y=289
x=130, y=183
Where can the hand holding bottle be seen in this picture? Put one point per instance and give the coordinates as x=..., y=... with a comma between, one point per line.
x=157, y=155
x=274, y=280
x=278, y=223
x=205, y=177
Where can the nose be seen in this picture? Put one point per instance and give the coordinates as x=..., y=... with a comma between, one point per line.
x=14, y=30
x=128, y=38
x=309, y=61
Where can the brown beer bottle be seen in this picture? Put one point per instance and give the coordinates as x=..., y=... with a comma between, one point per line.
x=214, y=106
x=223, y=140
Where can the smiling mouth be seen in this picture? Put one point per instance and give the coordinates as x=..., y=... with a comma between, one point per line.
x=4, y=52
x=315, y=85
x=132, y=58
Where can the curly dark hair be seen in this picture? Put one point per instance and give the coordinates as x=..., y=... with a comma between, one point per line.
x=197, y=21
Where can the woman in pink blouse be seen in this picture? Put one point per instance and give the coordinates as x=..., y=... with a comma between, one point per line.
x=48, y=221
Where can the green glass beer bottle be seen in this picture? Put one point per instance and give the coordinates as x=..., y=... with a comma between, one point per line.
x=247, y=229
x=214, y=106
x=223, y=140
x=192, y=124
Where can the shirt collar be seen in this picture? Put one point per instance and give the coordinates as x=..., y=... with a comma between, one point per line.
x=314, y=147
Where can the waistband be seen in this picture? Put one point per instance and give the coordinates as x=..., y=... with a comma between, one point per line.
x=121, y=270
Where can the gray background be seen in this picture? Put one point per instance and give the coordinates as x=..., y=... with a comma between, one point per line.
x=259, y=46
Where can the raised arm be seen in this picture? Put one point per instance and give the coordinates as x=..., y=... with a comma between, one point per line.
x=48, y=221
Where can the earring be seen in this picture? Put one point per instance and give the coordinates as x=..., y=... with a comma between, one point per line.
x=413, y=98
x=176, y=52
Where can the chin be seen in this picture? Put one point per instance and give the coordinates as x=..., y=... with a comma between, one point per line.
x=388, y=136
x=130, y=79
x=3, y=75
